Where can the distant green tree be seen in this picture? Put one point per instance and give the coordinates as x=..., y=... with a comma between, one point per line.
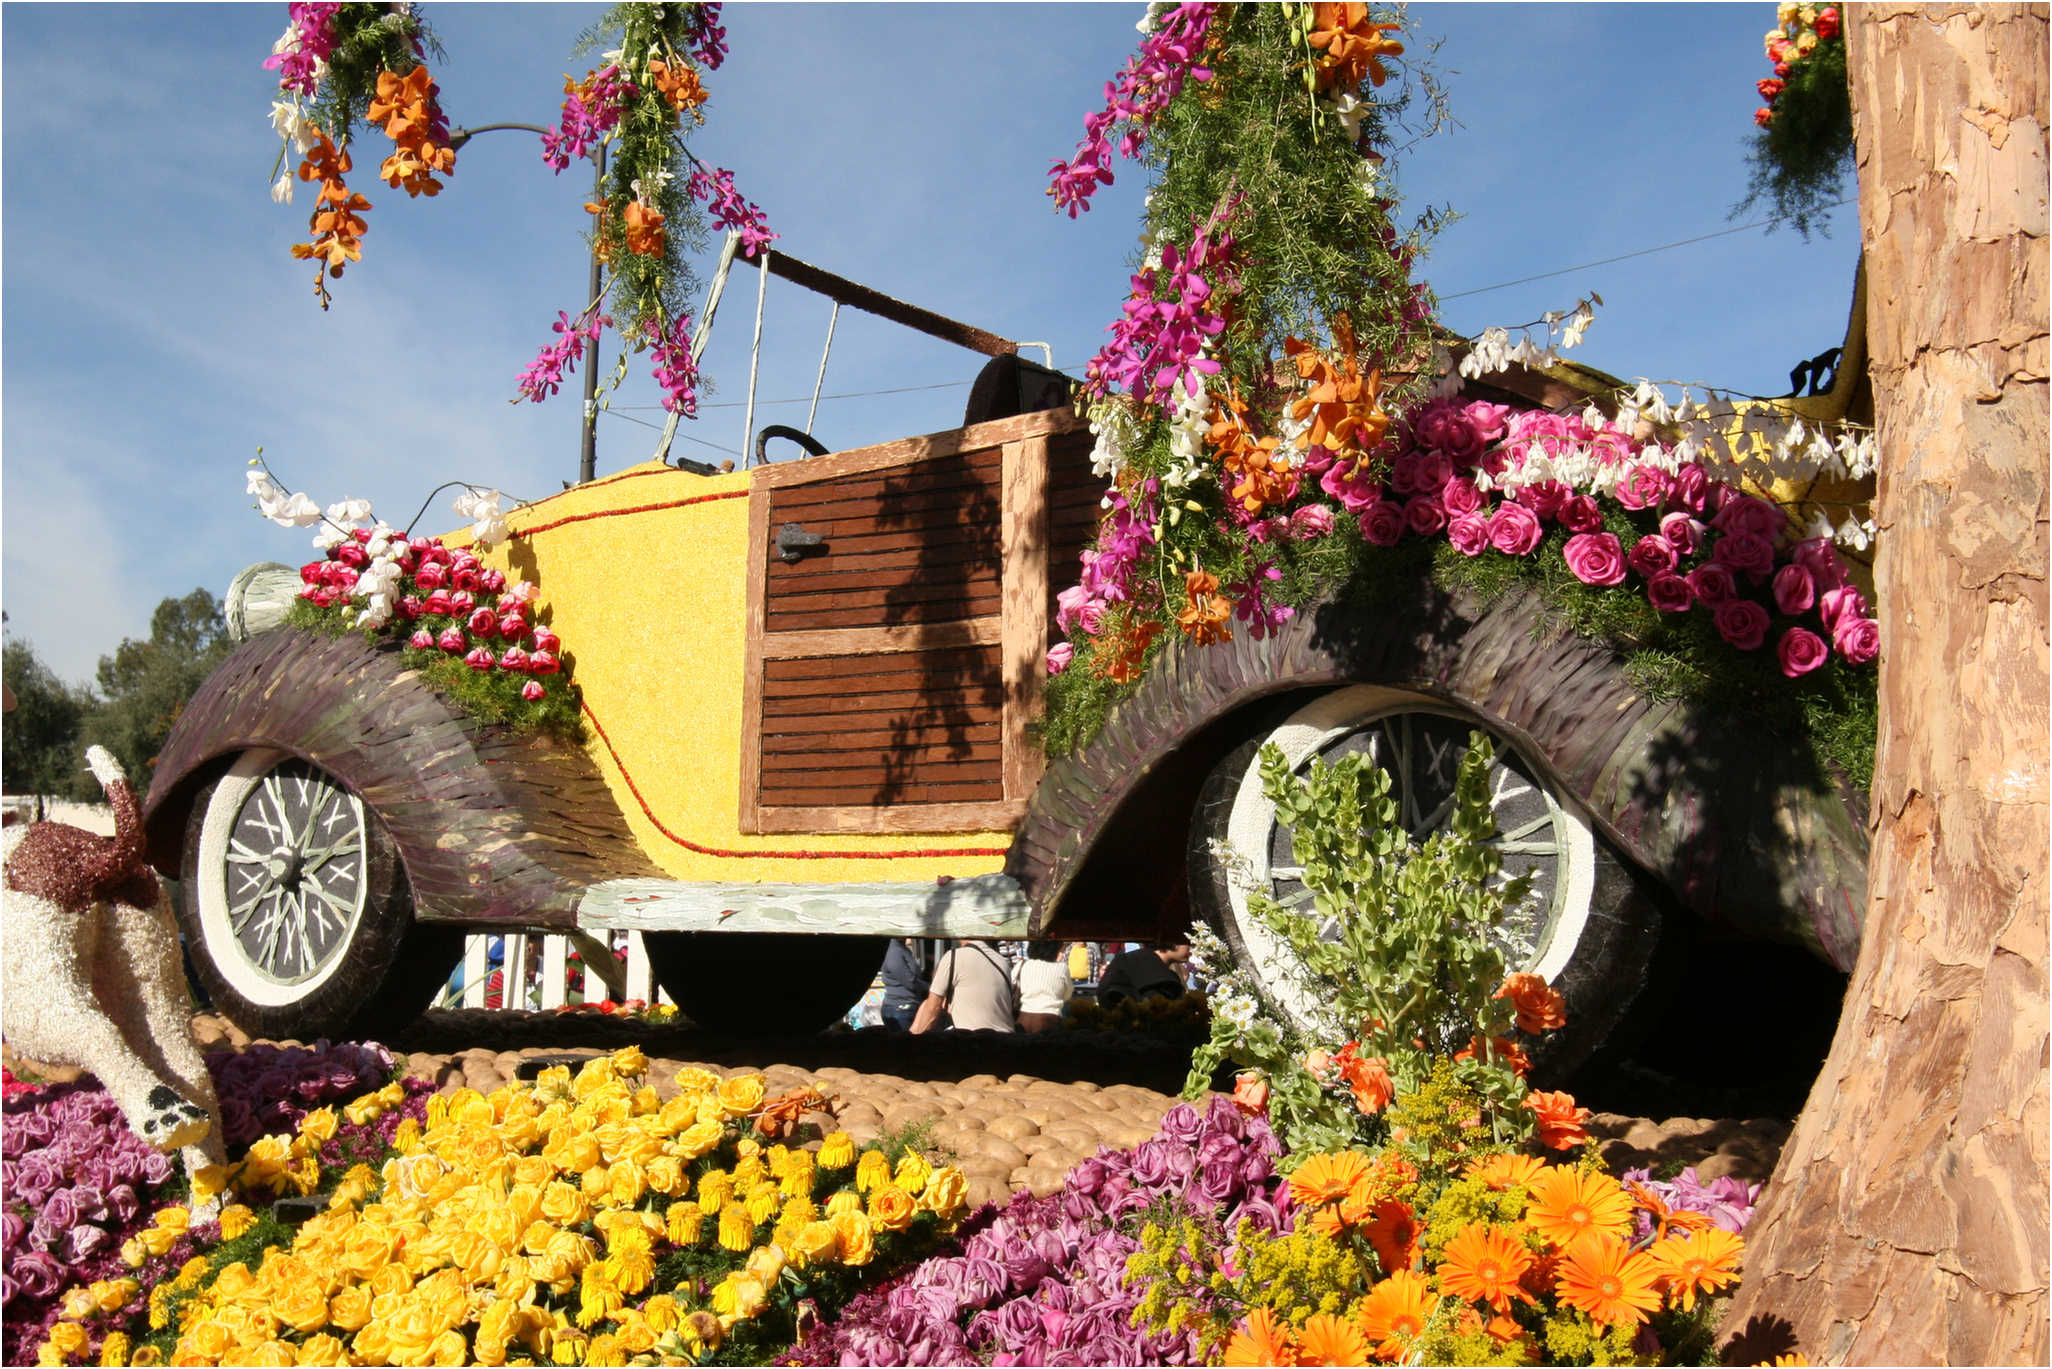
x=40, y=747
x=144, y=685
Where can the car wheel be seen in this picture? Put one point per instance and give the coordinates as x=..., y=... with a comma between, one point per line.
x=764, y=981
x=1588, y=927
x=296, y=908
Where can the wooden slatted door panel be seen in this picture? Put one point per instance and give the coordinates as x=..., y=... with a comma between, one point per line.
x=891, y=670
x=1074, y=501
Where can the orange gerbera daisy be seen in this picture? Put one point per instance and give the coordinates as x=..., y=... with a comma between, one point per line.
x=1327, y=1339
x=1506, y=1171
x=1561, y=1123
x=1394, y=1234
x=1325, y=1179
x=1538, y=1005
x=1615, y=1285
x=1569, y=1203
x=1258, y=1340
x=1697, y=1262
x=1396, y=1311
x=1483, y=1264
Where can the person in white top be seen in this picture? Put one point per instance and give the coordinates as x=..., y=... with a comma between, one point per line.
x=1044, y=986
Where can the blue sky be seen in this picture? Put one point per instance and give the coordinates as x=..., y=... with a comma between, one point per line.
x=154, y=330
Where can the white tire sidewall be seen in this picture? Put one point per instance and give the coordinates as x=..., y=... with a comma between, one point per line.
x=222, y=947
x=1252, y=820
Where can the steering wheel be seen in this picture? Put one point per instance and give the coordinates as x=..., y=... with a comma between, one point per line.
x=804, y=439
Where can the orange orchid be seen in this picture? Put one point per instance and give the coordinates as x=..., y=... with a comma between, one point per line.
x=644, y=230
x=1260, y=474
x=1342, y=406
x=678, y=84
x=1353, y=46
x=401, y=100
x=1119, y=655
x=1538, y=1005
x=1561, y=1123
x=1205, y=617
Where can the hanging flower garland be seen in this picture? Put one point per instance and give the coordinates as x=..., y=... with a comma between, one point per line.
x=1803, y=145
x=341, y=63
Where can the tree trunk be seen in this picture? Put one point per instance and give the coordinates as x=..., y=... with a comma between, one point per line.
x=1906, y=1222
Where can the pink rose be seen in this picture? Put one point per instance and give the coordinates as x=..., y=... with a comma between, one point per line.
x=1545, y=498
x=466, y=578
x=512, y=627
x=1670, y=594
x=462, y=601
x=438, y=602
x=1424, y=515
x=1741, y=622
x=545, y=640
x=409, y=607
x=1652, y=555
x=311, y=572
x=1317, y=459
x=1383, y=524
x=1313, y=520
x=514, y=659
x=484, y=622
x=1431, y=472
x=1610, y=447
x=1264, y=530
x=422, y=640
x=1857, y=639
x=1091, y=619
x=1843, y=602
x=1690, y=490
x=1578, y=513
x=1801, y=651
x=1712, y=584
x=1515, y=530
x=1351, y=483
x=1683, y=531
x=1469, y=533
x=1459, y=496
x=1643, y=487
x=491, y=581
x=1058, y=657
x=1745, y=551
x=1743, y=513
x=431, y=577
x=543, y=662
x=451, y=640
x=360, y=534
x=350, y=554
x=1595, y=558
x=480, y=658
x=1817, y=556
x=1794, y=591
x=427, y=548
x=532, y=691
x=1067, y=605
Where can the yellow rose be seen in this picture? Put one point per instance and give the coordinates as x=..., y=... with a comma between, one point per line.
x=209, y=1182
x=449, y=1349
x=626, y=1183
x=890, y=1207
x=412, y=1327
x=692, y=1080
x=646, y=1102
x=737, y=1230
x=350, y=1308
x=114, y=1350
x=637, y=1337
x=301, y=1306
x=477, y=1255
x=320, y=1125
x=419, y=1175
x=740, y=1296
x=468, y=1107
x=855, y=1237
x=532, y=1171
x=206, y=1340
x=595, y=1182
x=947, y=1192
x=79, y=1303
x=700, y=1138
x=272, y=1354
x=709, y=1109
x=232, y=1282
x=640, y=1142
x=741, y=1095
x=394, y=1280
x=629, y=1062
x=67, y=1338
x=596, y=1075
x=496, y=1328
x=665, y=1176
x=322, y=1349
x=765, y=1263
x=837, y=1151
x=372, y=1345
x=367, y=1249
x=573, y=1249
x=573, y=1152
x=564, y=1205
x=815, y=1241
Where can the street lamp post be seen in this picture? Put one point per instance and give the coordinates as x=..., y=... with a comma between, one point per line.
x=587, y=461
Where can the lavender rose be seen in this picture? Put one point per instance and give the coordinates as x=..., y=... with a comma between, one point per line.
x=1595, y=558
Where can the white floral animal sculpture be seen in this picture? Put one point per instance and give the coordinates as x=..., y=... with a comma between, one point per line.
x=91, y=974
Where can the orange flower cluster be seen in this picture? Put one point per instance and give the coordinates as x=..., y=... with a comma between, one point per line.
x=1498, y=1048
x=1368, y=1079
x=1323, y=1339
x=1538, y=1005
x=1119, y=653
x=405, y=105
x=1561, y=1123
x=1205, y=617
x=1353, y=46
x=679, y=85
x=1342, y=406
x=1259, y=475
x=336, y=221
x=1348, y=1191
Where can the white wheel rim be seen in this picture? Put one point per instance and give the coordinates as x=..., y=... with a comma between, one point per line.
x=283, y=877
x=1554, y=923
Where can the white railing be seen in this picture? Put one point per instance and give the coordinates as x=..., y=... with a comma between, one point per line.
x=535, y=971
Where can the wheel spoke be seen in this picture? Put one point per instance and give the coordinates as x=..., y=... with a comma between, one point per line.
x=1530, y=848
x=1526, y=829
x=1286, y=871
x=314, y=860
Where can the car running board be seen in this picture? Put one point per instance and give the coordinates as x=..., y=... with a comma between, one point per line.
x=980, y=906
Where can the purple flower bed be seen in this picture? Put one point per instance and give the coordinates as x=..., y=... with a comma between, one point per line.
x=1040, y=1280
x=1726, y=1201
x=268, y=1090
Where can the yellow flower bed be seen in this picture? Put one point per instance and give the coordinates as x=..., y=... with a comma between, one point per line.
x=530, y=1226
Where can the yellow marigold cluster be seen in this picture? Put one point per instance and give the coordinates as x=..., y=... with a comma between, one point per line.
x=527, y=1225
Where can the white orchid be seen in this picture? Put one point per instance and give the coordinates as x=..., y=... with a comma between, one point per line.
x=349, y=512
x=290, y=511
x=281, y=189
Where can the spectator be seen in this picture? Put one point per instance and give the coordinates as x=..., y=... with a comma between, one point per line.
x=1080, y=962
x=972, y=985
x=905, y=987
x=1044, y=987
x=1151, y=972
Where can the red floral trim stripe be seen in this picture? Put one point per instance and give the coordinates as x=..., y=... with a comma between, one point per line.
x=615, y=513
x=635, y=789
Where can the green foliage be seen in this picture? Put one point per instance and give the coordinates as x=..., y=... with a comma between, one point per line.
x=1798, y=164
x=1414, y=971
x=144, y=685
x=369, y=39
x=40, y=750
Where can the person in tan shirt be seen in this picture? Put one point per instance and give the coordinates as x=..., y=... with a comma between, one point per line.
x=972, y=985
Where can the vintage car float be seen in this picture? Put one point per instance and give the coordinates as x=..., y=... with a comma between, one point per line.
x=809, y=688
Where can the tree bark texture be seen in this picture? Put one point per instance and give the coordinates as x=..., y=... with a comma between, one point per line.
x=1907, y=1220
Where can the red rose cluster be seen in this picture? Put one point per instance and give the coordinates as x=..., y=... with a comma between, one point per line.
x=1802, y=28
x=457, y=605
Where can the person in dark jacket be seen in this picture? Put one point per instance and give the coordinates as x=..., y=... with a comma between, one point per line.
x=1149, y=972
x=905, y=988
